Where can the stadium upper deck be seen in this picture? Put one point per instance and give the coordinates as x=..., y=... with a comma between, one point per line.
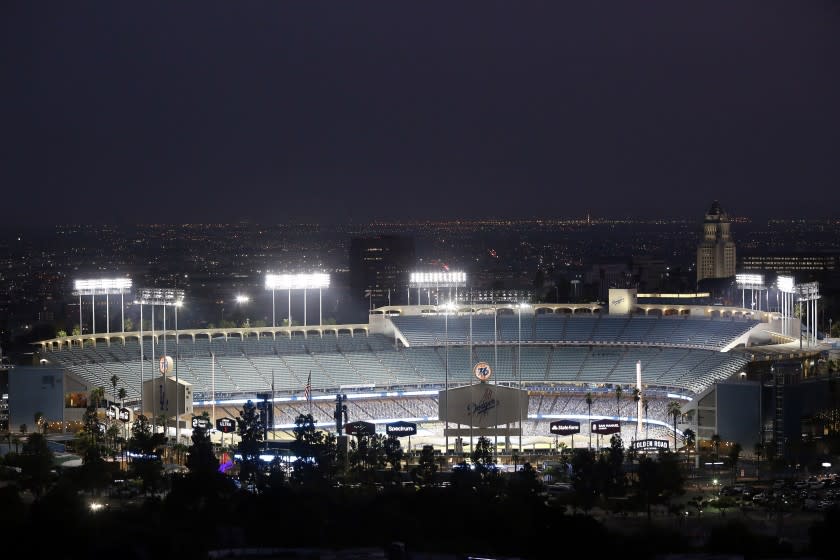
x=393, y=353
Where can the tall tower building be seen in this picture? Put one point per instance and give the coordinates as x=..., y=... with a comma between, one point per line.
x=380, y=267
x=716, y=253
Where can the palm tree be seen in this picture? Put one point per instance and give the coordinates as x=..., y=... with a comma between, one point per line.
x=637, y=396
x=674, y=411
x=114, y=380
x=646, y=405
x=122, y=394
x=589, y=405
x=716, y=444
x=97, y=396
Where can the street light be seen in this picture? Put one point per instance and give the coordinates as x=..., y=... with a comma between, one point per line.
x=101, y=287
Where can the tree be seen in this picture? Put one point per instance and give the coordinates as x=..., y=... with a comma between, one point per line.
x=251, y=432
x=201, y=459
x=589, y=408
x=658, y=479
x=146, y=447
x=674, y=411
x=36, y=461
x=426, y=470
x=122, y=394
x=114, y=380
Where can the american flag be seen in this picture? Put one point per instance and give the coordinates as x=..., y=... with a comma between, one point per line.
x=307, y=391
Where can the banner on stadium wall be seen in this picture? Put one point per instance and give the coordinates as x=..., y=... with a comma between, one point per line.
x=360, y=428
x=605, y=427
x=401, y=428
x=565, y=427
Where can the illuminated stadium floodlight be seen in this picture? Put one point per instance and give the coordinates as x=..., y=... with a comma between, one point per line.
x=437, y=280
x=787, y=288
x=164, y=297
x=242, y=299
x=809, y=293
x=750, y=282
x=102, y=287
x=307, y=281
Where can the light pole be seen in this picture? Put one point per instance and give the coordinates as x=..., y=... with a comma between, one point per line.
x=520, y=307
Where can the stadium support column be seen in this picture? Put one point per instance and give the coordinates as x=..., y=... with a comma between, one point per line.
x=639, y=402
x=446, y=384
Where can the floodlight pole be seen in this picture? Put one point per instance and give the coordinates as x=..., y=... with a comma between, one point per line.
x=519, y=375
x=320, y=309
x=80, y=314
x=93, y=313
x=141, y=358
x=154, y=403
x=177, y=385
x=304, y=307
x=290, y=310
x=273, y=317
x=446, y=385
x=122, y=311
x=107, y=314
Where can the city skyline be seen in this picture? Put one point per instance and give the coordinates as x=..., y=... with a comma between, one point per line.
x=304, y=112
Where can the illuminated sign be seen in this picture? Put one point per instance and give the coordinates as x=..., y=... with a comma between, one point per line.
x=482, y=371
x=360, y=428
x=226, y=425
x=565, y=427
x=605, y=427
x=124, y=414
x=401, y=429
x=200, y=423
x=649, y=444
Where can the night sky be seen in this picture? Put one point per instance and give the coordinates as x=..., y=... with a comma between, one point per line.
x=291, y=111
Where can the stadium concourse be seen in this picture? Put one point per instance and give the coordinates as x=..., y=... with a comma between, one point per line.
x=392, y=367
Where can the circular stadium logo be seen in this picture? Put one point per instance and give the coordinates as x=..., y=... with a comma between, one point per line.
x=166, y=365
x=482, y=371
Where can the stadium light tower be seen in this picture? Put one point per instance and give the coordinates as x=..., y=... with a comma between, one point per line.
x=311, y=281
x=436, y=280
x=101, y=287
x=786, y=288
x=750, y=282
x=165, y=297
x=810, y=294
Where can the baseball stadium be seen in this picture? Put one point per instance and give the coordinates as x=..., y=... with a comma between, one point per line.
x=628, y=361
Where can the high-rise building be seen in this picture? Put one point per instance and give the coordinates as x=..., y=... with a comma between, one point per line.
x=716, y=253
x=380, y=268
